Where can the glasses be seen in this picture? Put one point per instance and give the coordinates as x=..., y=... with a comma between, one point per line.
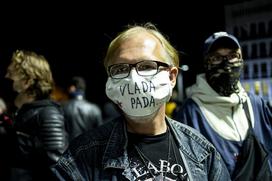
x=143, y=68
x=232, y=58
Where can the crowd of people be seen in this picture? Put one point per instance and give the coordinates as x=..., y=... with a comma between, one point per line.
x=219, y=132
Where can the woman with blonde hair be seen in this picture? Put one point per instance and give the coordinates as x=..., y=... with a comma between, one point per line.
x=40, y=136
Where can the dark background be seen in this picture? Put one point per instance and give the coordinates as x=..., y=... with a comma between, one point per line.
x=73, y=36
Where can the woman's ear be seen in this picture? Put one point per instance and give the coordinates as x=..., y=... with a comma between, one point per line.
x=173, y=75
x=28, y=83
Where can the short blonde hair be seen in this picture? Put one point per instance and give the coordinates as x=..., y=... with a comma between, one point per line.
x=171, y=56
x=32, y=66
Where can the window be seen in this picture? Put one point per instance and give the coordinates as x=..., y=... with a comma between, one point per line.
x=270, y=49
x=269, y=32
x=263, y=53
x=246, y=73
x=264, y=70
x=253, y=31
x=236, y=32
x=253, y=51
x=270, y=69
x=245, y=52
x=244, y=34
x=257, y=87
x=262, y=32
x=246, y=87
x=255, y=71
x=265, y=88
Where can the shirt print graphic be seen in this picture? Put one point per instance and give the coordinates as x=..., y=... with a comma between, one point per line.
x=141, y=172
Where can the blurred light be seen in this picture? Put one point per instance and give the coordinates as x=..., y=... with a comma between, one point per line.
x=184, y=68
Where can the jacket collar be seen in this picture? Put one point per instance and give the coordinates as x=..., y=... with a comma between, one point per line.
x=190, y=142
x=77, y=95
x=37, y=104
x=116, y=153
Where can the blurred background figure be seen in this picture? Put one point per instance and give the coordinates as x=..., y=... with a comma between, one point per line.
x=3, y=106
x=39, y=132
x=80, y=114
x=5, y=127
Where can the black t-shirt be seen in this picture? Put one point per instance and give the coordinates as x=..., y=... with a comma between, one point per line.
x=155, y=157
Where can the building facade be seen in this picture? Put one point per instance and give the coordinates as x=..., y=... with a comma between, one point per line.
x=251, y=23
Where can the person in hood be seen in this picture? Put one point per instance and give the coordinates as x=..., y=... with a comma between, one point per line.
x=238, y=123
x=39, y=133
x=143, y=143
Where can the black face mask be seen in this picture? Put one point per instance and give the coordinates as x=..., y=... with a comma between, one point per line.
x=223, y=77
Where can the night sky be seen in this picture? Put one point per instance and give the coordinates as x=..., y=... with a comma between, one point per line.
x=74, y=37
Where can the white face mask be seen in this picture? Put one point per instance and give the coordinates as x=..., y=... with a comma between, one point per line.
x=140, y=96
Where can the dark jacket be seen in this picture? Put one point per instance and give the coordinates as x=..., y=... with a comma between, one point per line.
x=5, y=148
x=80, y=116
x=40, y=139
x=101, y=155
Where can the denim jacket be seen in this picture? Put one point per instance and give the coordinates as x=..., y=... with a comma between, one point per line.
x=101, y=155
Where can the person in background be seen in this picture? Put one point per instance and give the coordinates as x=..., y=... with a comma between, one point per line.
x=5, y=120
x=80, y=114
x=3, y=107
x=5, y=128
x=239, y=124
x=143, y=143
x=39, y=132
